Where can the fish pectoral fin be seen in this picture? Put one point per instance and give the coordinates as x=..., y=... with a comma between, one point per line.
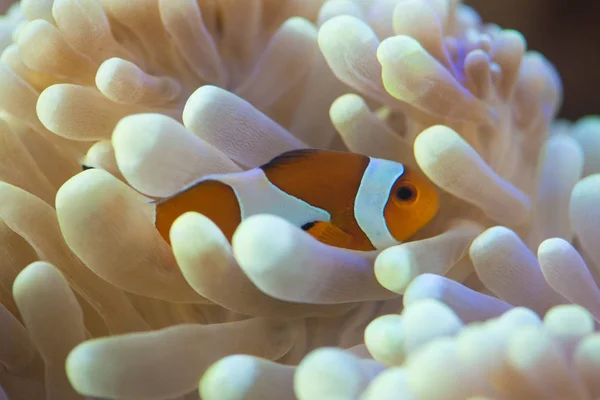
x=328, y=233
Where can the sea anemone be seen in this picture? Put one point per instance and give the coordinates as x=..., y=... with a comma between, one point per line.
x=150, y=95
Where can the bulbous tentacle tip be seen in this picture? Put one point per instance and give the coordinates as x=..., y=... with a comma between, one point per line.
x=243, y=376
x=587, y=362
x=347, y=375
x=417, y=326
x=349, y=46
x=391, y=382
x=159, y=157
x=282, y=65
x=124, y=82
x=587, y=133
x=385, y=340
x=451, y=163
x=43, y=294
x=398, y=266
x=218, y=116
x=584, y=213
x=289, y=264
x=395, y=268
x=569, y=321
x=85, y=204
x=412, y=75
x=335, y=8
x=80, y=113
x=503, y=262
x=364, y=132
x=566, y=272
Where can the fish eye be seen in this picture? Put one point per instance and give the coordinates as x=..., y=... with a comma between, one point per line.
x=406, y=193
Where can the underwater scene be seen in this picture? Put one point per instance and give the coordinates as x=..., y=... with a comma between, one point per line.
x=296, y=199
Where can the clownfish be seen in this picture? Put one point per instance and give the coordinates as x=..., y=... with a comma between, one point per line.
x=345, y=200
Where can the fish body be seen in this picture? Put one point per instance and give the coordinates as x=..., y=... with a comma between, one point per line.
x=343, y=199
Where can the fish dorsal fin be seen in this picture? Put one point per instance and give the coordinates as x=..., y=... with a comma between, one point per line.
x=316, y=167
x=290, y=157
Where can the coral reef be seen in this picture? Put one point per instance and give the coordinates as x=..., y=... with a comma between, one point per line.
x=497, y=298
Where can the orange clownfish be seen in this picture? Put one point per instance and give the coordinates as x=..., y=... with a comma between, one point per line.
x=342, y=199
